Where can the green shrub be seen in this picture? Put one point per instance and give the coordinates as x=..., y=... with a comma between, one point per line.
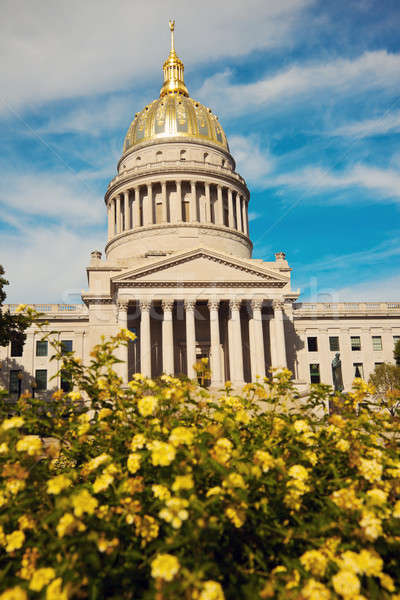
x=162, y=490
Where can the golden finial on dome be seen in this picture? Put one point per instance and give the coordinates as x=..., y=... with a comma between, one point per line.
x=173, y=70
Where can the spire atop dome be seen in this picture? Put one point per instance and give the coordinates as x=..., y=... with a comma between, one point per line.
x=173, y=70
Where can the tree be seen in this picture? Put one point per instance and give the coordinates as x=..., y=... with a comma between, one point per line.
x=396, y=353
x=12, y=326
x=386, y=379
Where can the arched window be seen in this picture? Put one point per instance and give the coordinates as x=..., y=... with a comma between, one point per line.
x=205, y=156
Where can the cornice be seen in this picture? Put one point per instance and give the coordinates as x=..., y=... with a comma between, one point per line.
x=199, y=284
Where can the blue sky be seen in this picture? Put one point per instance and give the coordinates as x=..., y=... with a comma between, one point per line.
x=307, y=91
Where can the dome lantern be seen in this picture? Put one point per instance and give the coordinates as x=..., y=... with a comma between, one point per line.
x=173, y=71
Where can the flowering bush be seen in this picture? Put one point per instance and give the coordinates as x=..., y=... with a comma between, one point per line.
x=163, y=490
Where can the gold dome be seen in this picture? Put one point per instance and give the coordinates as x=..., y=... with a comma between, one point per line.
x=174, y=114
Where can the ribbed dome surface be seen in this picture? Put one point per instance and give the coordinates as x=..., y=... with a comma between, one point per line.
x=175, y=116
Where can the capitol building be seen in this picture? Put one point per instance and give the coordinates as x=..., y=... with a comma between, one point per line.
x=178, y=271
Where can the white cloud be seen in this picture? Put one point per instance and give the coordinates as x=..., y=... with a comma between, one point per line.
x=52, y=50
x=371, y=70
x=387, y=123
x=42, y=264
x=374, y=290
x=253, y=162
x=386, y=182
x=64, y=198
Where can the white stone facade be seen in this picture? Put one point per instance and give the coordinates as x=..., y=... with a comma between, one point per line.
x=178, y=270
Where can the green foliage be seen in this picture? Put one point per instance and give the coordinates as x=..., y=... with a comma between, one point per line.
x=162, y=490
x=12, y=326
x=396, y=353
x=386, y=380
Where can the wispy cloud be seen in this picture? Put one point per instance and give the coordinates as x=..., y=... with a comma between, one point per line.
x=371, y=70
x=253, y=161
x=387, y=123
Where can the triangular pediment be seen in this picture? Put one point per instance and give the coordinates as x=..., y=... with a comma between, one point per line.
x=202, y=266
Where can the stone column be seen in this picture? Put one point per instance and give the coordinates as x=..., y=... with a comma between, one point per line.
x=244, y=216
x=168, y=337
x=246, y=204
x=148, y=206
x=215, y=351
x=235, y=344
x=190, y=306
x=164, y=214
x=220, y=207
x=256, y=338
x=118, y=212
x=136, y=207
x=230, y=209
x=238, y=213
x=279, y=334
x=122, y=368
x=177, y=206
x=145, y=338
x=127, y=224
x=208, y=203
x=109, y=218
x=193, y=202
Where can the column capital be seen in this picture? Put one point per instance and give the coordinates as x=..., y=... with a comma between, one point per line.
x=256, y=303
x=235, y=304
x=213, y=304
x=190, y=304
x=145, y=304
x=167, y=305
x=278, y=304
x=122, y=303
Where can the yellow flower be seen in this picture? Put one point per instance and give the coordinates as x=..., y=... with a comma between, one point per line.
x=3, y=499
x=40, y=578
x=162, y=453
x=102, y=482
x=175, y=511
x=11, y=423
x=313, y=590
x=234, y=516
x=75, y=396
x=182, y=482
x=301, y=426
x=342, y=445
x=14, y=540
x=346, y=499
x=15, y=593
x=222, y=450
x=212, y=590
x=3, y=448
x=138, y=441
x=20, y=308
x=165, y=566
x=96, y=462
x=133, y=462
x=376, y=497
x=350, y=561
x=15, y=485
x=181, y=435
x=234, y=480
x=346, y=584
x=58, y=484
x=84, y=503
x=214, y=491
x=298, y=472
x=242, y=416
x=371, y=525
x=161, y=492
x=387, y=582
x=147, y=528
x=147, y=405
x=370, y=469
x=55, y=592
x=396, y=510
x=32, y=444
x=65, y=524
x=26, y=522
x=104, y=413
x=370, y=563
x=264, y=459
x=315, y=562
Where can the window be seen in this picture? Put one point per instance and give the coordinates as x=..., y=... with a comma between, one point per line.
x=17, y=348
x=15, y=381
x=312, y=343
x=396, y=338
x=334, y=343
x=41, y=348
x=41, y=379
x=66, y=346
x=314, y=374
x=377, y=364
x=376, y=342
x=66, y=383
x=358, y=370
x=355, y=342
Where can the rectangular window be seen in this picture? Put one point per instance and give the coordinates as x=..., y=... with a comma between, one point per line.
x=312, y=343
x=377, y=364
x=355, y=342
x=358, y=370
x=66, y=346
x=66, y=383
x=41, y=348
x=15, y=381
x=314, y=374
x=17, y=348
x=41, y=379
x=376, y=342
x=334, y=343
